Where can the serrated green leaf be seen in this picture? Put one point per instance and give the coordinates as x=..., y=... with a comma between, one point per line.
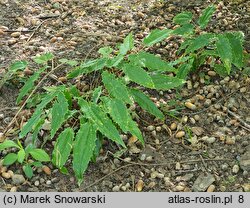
x=164, y=82
x=114, y=62
x=17, y=65
x=185, y=29
x=31, y=122
x=221, y=70
x=63, y=147
x=105, y=51
x=120, y=114
x=181, y=60
x=8, y=144
x=35, y=118
x=100, y=119
x=199, y=42
x=183, y=71
x=156, y=36
x=96, y=94
x=146, y=103
x=151, y=62
x=29, y=85
x=39, y=154
x=59, y=110
x=225, y=51
x=83, y=148
x=206, y=16
x=127, y=44
x=115, y=87
x=236, y=48
x=44, y=58
x=90, y=66
x=21, y=156
x=9, y=159
x=69, y=62
x=183, y=18
x=138, y=75
x=28, y=171
x=64, y=171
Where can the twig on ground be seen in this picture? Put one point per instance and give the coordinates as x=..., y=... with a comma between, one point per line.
x=8, y=108
x=239, y=119
x=34, y=31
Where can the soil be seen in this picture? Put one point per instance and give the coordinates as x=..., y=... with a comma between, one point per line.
x=215, y=158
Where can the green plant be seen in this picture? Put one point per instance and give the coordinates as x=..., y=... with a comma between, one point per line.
x=80, y=119
x=13, y=69
x=22, y=156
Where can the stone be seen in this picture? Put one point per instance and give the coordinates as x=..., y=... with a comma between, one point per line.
x=18, y=179
x=236, y=169
x=197, y=130
x=245, y=160
x=203, y=182
x=211, y=188
x=116, y=189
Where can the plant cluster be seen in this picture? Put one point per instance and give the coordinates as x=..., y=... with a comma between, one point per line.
x=104, y=110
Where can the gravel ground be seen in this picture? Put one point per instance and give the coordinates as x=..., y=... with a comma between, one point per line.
x=216, y=158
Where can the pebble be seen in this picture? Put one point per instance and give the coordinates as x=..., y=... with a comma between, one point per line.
x=36, y=183
x=127, y=185
x=235, y=169
x=152, y=184
x=173, y=126
x=211, y=188
x=143, y=157
x=207, y=102
x=243, y=89
x=46, y=170
x=246, y=187
x=48, y=182
x=139, y=186
x=180, y=134
x=149, y=158
x=224, y=166
x=209, y=140
x=158, y=128
x=245, y=160
x=230, y=140
x=203, y=182
x=116, y=189
x=15, y=34
x=192, y=120
x=190, y=105
x=223, y=188
x=150, y=128
x=6, y=175
x=154, y=174
x=178, y=166
x=18, y=179
x=123, y=188
x=179, y=188
x=127, y=159
x=1, y=116
x=42, y=180
x=211, y=73
x=13, y=189
x=160, y=175
x=197, y=117
x=12, y=41
x=198, y=131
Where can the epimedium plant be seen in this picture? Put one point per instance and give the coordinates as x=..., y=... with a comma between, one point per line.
x=104, y=110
